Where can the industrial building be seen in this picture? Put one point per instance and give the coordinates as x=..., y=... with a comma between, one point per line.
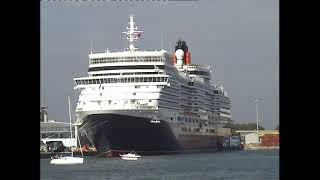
x=53, y=129
x=53, y=133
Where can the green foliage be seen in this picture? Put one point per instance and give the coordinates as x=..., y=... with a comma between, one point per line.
x=234, y=133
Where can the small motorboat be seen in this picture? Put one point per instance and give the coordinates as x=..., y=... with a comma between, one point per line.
x=155, y=121
x=130, y=156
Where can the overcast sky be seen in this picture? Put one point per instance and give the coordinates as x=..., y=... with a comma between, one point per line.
x=238, y=39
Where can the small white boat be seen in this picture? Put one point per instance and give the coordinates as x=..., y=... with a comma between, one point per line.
x=155, y=121
x=65, y=160
x=130, y=156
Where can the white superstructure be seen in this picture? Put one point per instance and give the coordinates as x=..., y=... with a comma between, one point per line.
x=151, y=84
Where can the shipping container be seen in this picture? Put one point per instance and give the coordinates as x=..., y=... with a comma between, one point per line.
x=252, y=138
x=270, y=140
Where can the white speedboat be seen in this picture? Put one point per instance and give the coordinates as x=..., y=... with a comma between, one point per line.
x=155, y=121
x=130, y=156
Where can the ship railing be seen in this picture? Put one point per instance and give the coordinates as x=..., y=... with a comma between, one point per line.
x=202, y=131
x=122, y=79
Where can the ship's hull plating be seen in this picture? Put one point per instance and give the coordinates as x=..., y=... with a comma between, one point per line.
x=114, y=133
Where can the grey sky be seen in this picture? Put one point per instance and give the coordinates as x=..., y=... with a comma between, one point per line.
x=238, y=39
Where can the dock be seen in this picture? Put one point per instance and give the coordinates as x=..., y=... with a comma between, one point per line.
x=258, y=147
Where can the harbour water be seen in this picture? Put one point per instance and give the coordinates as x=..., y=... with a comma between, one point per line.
x=240, y=165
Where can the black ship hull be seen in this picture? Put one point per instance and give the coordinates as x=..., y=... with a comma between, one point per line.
x=112, y=134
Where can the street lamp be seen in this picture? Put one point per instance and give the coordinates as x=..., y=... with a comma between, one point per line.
x=257, y=112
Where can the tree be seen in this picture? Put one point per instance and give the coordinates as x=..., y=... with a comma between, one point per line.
x=234, y=133
x=247, y=126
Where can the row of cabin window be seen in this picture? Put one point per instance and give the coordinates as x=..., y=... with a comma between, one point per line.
x=121, y=80
x=192, y=84
x=199, y=73
x=196, y=130
x=132, y=101
x=170, y=90
x=126, y=59
x=168, y=96
x=201, y=87
x=136, y=73
x=195, y=105
x=192, y=120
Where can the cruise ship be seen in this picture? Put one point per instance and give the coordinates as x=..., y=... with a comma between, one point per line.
x=151, y=101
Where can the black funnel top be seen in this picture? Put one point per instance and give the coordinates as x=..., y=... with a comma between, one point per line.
x=181, y=45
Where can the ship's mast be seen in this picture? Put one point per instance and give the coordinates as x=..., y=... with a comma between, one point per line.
x=132, y=33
